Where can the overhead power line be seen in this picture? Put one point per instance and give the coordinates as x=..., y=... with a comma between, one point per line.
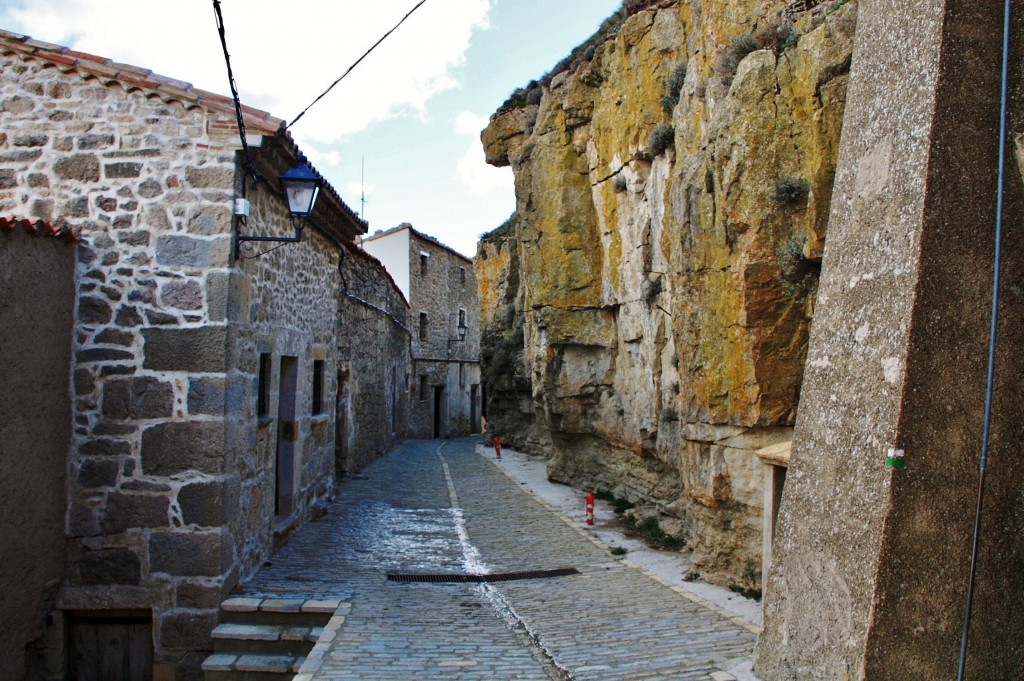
x=356, y=63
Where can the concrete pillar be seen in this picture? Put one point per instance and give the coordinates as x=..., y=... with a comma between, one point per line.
x=870, y=563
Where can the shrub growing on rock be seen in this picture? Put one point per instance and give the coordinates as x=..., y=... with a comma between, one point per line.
x=662, y=137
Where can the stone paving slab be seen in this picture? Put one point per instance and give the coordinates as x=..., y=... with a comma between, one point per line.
x=437, y=506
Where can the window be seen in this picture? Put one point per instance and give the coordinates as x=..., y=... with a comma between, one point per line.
x=424, y=259
x=462, y=275
x=263, y=387
x=462, y=375
x=423, y=326
x=318, y=386
x=423, y=386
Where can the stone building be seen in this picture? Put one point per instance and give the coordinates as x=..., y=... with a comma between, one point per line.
x=440, y=284
x=373, y=362
x=204, y=386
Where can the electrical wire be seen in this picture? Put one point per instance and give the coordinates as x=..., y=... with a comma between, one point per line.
x=990, y=379
x=355, y=63
x=249, y=166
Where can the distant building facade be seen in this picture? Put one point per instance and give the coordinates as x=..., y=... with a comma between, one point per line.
x=203, y=420
x=444, y=392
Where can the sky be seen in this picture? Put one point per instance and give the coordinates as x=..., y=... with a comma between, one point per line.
x=403, y=129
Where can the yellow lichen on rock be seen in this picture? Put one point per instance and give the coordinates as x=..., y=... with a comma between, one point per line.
x=666, y=293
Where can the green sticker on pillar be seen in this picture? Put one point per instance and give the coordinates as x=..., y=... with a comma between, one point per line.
x=895, y=459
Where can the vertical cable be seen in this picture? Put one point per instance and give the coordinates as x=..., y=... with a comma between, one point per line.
x=990, y=379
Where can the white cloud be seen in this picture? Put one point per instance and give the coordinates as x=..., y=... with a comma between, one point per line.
x=282, y=60
x=469, y=123
x=478, y=177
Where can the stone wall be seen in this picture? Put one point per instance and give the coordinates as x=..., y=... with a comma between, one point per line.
x=663, y=296
x=374, y=358
x=171, y=494
x=448, y=286
x=37, y=297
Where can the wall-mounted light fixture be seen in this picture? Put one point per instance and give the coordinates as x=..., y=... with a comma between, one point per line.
x=461, y=330
x=301, y=188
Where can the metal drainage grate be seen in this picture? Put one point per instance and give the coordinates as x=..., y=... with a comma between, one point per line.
x=452, y=578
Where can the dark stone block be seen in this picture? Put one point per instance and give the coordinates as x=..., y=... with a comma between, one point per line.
x=77, y=208
x=80, y=167
x=115, y=337
x=160, y=318
x=38, y=180
x=150, y=189
x=217, y=296
x=106, y=203
x=172, y=448
x=35, y=140
x=106, y=428
x=95, y=141
x=182, y=251
x=128, y=316
x=206, y=396
x=134, y=511
x=108, y=566
x=85, y=382
x=138, y=398
x=61, y=115
x=183, y=295
x=117, y=370
x=113, y=294
x=210, y=220
x=123, y=169
x=133, y=153
x=102, y=355
x=186, y=630
x=197, y=350
x=198, y=596
x=105, y=447
x=94, y=310
x=202, y=504
x=98, y=473
x=140, y=296
x=8, y=179
x=217, y=178
x=143, y=485
x=187, y=554
x=23, y=156
x=124, y=222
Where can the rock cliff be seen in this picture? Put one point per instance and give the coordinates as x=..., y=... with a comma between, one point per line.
x=646, y=309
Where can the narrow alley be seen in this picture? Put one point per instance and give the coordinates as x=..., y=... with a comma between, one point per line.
x=438, y=507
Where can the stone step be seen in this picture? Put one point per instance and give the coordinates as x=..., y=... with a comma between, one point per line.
x=230, y=637
x=251, y=667
x=279, y=611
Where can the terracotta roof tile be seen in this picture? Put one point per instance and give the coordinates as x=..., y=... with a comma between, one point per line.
x=38, y=228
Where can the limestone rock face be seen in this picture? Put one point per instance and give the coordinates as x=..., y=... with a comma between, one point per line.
x=646, y=311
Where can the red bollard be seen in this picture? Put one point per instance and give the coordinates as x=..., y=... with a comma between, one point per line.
x=497, y=447
x=590, y=509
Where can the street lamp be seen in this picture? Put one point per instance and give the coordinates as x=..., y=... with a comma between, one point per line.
x=301, y=188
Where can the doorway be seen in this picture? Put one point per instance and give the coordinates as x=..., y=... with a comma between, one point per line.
x=474, y=422
x=111, y=646
x=287, y=437
x=439, y=417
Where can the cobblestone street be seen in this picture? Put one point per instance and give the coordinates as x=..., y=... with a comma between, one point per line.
x=440, y=507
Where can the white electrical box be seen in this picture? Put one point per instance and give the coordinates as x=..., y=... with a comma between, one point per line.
x=243, y=207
